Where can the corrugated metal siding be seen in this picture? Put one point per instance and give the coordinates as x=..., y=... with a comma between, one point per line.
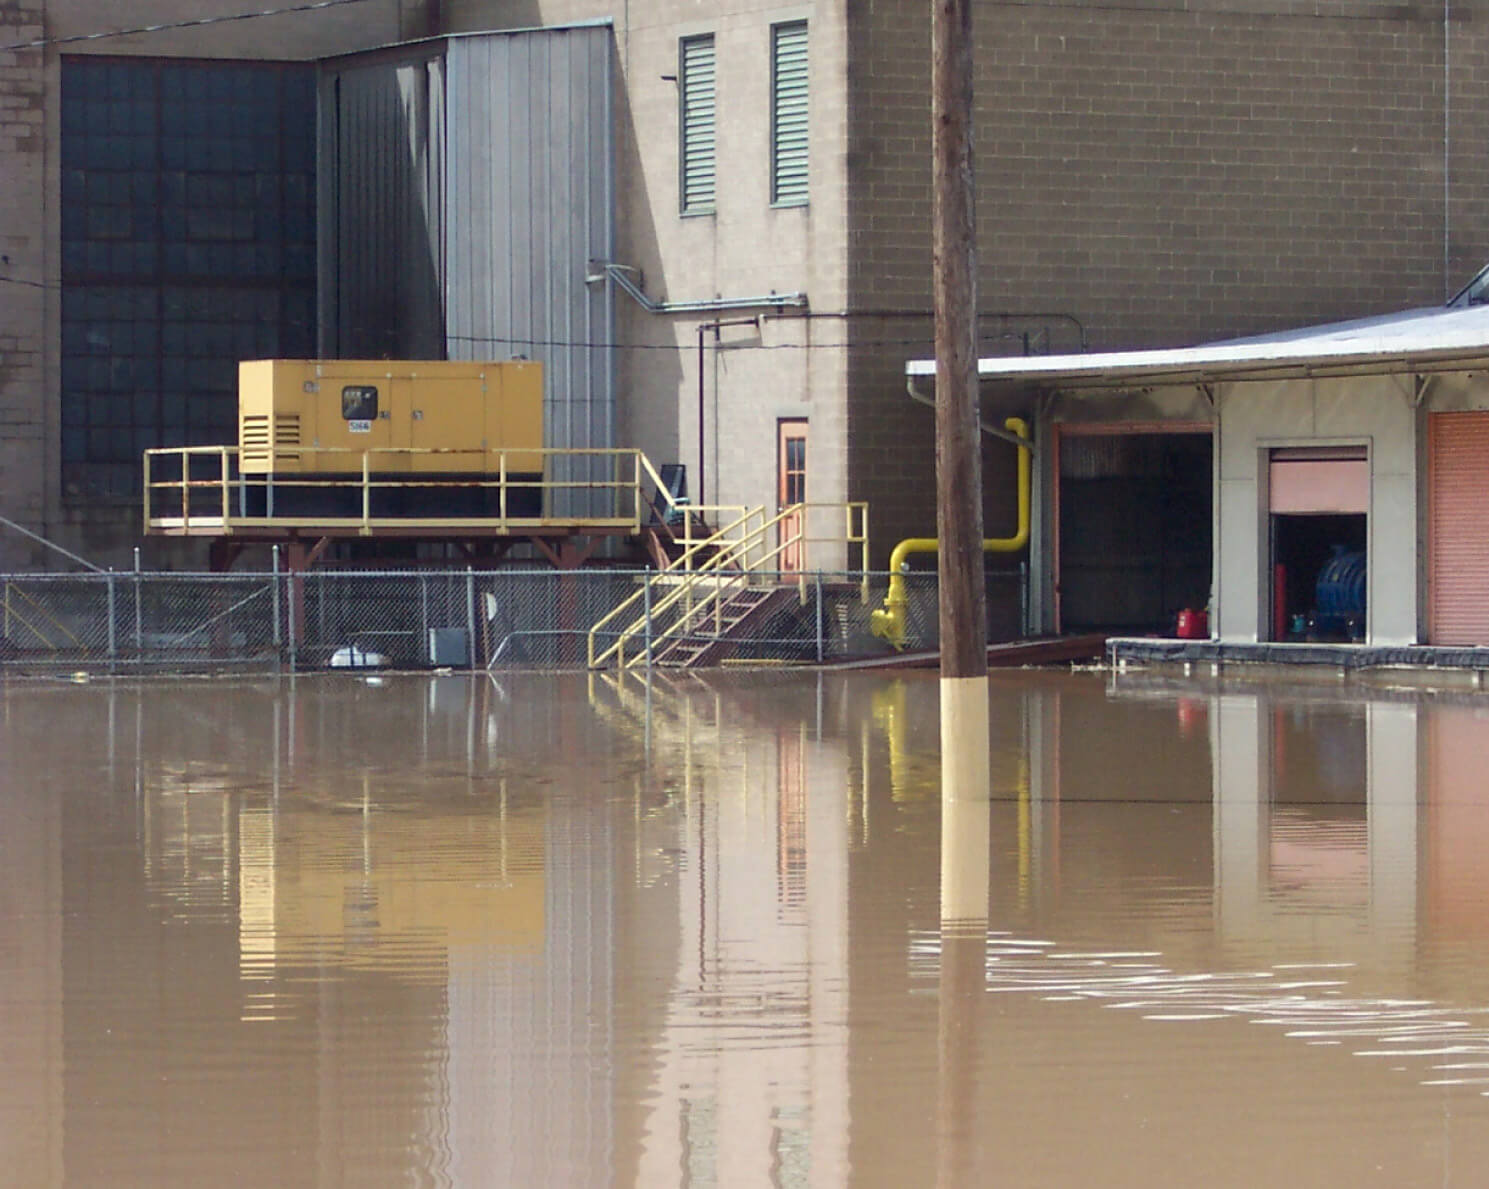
x=788, y=115
x=696, y=168
x=531, y=184
x=382, y=181
x=1459, y=544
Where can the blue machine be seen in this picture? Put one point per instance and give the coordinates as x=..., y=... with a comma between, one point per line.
x=1339, y=595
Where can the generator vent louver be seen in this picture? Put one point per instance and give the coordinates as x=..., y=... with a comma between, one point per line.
x=260, y=447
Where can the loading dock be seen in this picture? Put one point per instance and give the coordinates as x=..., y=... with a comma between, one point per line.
x=1134, y=524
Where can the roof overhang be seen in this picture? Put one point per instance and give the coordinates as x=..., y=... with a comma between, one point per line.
x=1416, y=342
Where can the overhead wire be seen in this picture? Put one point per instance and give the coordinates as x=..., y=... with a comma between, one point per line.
x=514, y=340
x=166, y=26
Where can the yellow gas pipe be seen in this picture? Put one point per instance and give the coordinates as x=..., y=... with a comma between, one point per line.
x=889, y=623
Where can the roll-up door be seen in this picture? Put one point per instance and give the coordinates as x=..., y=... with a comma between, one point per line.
x=1458, y=581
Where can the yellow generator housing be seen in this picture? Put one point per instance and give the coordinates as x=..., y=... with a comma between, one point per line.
x=424, y=417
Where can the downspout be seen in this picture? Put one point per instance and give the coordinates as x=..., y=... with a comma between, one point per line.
x=992, y=431
x=889, y=622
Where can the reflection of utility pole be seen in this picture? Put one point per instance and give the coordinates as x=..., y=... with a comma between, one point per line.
x=963, y=610
x=965, y=870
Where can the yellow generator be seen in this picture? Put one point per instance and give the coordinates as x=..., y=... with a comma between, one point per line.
x=435, y=437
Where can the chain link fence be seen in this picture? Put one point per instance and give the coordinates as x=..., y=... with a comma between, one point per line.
x=463, y=619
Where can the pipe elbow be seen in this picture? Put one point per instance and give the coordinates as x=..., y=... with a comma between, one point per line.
x=889, y=624
x=1020, y=538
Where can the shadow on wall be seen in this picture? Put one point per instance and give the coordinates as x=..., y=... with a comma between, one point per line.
x=381, y=173
x=649, y=369
x=478, y=17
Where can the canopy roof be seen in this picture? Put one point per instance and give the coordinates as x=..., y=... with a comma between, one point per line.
x=1425, y=340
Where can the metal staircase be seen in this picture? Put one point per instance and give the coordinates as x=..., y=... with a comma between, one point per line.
x=712, y=629
x=717, y=594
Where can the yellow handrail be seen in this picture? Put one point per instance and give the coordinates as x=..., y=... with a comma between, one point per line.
x=740, y=549
x=716, y=541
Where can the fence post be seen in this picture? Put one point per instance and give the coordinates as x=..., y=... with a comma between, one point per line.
x=470, y=616
x=274, y=597
x=423, y=642
x=139, y=625
x=290, y=615
x=646, y=604
x=1024, y=599
x=113, y=633
x=821, y=642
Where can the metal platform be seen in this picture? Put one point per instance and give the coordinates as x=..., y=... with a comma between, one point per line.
x=202, y=493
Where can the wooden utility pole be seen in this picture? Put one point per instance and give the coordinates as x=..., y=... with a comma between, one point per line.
x=963, y=603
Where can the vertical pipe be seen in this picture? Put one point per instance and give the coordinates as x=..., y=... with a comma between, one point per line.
x=1447, y=145
x=699, y=497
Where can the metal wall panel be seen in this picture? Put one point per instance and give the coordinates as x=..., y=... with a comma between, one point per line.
x=531, y=184
x=382, y=181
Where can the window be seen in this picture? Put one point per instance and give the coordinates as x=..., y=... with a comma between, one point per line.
x=696, y=98
x=788, y=114
x=359, y=402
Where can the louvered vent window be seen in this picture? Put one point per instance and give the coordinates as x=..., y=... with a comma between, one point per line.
x=788, y=114
x=697, y=100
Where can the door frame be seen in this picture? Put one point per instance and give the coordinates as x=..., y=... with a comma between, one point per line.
x=789, y=490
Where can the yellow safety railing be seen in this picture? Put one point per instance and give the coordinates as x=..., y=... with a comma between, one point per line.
x=188, y=500
x=710, y=573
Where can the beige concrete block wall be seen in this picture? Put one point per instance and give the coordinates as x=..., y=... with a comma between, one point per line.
x=1167, y=173
x=752, y=377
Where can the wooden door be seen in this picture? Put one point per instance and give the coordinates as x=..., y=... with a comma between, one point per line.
x=791, y=490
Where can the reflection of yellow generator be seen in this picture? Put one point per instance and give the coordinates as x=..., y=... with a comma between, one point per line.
x=434, y=438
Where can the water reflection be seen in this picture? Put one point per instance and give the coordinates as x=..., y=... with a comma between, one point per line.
x=686, y=931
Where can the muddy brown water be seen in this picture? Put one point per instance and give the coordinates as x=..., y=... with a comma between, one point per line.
x=563, y=930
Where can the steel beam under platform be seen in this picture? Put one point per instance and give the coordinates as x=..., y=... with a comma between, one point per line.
x=567, y=547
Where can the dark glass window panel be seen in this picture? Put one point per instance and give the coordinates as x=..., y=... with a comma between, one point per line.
x=153, y=152
x=359, y=402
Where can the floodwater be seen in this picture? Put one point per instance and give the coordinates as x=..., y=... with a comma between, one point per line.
x=560, y=930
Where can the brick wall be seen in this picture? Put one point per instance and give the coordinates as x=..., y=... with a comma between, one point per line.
x=1168, y=174
x=22, y=291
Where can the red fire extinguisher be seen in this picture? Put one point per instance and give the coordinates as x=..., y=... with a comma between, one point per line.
x=1193, y=625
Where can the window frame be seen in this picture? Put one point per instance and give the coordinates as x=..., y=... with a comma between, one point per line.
x=691, y=127
x=800, y=178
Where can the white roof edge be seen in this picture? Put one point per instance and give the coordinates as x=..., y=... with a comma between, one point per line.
x=1396, y=342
